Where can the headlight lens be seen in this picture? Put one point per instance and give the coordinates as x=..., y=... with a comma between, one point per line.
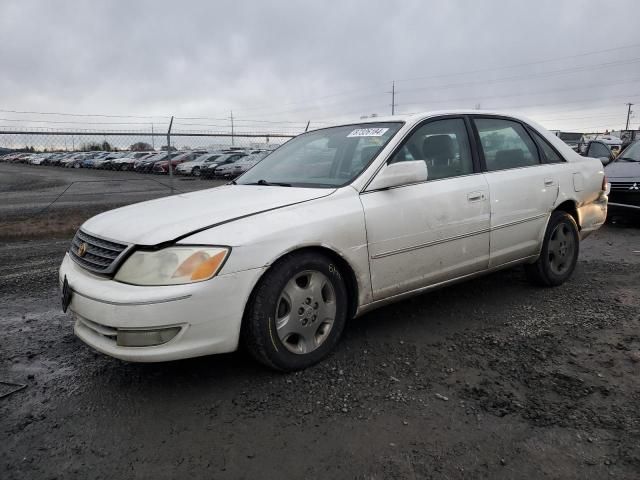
x=172, y=266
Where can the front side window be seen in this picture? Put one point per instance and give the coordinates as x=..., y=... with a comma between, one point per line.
x=329, y=157
x=505, y=144
x=443, y=145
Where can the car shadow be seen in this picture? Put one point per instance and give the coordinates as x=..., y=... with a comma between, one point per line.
x=425, y=318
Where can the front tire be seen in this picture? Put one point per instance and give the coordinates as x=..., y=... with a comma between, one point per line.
x=559, y=254
x=296, y=313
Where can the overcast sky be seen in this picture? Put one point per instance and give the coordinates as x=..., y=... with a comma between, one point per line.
x=571, y=65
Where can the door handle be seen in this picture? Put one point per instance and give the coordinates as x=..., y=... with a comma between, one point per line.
x=548, y=182
x=475, y=196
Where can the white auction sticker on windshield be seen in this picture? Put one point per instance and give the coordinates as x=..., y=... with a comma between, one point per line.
x=368, y=132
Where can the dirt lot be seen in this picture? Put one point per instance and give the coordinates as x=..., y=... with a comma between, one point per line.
x=47, y=202
x=493, y=378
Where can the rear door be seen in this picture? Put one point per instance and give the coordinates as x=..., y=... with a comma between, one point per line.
x=522, y=188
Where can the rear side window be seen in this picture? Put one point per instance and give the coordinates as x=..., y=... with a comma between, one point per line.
x=506, y=144
x=549, y=153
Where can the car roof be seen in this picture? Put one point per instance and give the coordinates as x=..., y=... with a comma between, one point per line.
x=418, y=117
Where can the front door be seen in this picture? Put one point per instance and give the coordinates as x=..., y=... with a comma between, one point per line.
x=430, y=232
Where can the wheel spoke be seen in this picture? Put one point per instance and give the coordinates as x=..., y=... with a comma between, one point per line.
x=306, y=343
x=286, y=326
x=295, y=293
x=327, y=311
x=316, y=282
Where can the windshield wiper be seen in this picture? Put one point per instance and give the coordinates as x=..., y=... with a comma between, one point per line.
x=269, y=184
x=628, y=159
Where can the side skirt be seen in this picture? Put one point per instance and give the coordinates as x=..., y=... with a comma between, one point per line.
x=401, y=296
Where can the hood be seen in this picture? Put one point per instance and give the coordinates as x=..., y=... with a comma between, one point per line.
x=621, y=169
x=168, y=218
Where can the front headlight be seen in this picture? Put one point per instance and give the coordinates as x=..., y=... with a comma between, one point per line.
x=172, y=266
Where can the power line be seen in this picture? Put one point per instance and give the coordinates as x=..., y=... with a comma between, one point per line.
x=166, y=118
x=29, y=120
x=527, y=76
x=516, y=65
x=466, y=84
x=545, y=92
x=583, y=54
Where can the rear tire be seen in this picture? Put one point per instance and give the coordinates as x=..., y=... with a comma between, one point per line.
x=196, y=171
x=559, y=254
x=296, y=313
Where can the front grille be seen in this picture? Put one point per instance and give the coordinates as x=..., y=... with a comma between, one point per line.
x=625, y=187
x=101, y=256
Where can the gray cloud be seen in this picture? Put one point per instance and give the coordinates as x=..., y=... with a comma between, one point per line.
x=320, y=61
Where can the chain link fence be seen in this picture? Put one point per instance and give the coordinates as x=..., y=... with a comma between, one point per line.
x=53, y=180
x=65, y=141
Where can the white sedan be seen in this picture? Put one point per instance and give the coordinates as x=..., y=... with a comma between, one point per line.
x=334, y=223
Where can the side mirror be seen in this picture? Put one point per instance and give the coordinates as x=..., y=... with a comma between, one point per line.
x=401, y=173
x=606, y=160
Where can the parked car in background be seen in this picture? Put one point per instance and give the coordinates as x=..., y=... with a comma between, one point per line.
x=105, y=161
x=209, y=171
x=22, y=157
x=244, y=164
x=572, y=139
x=624, y=176
x=52, y=159
x=600, y=150
x=193, y=167
x=145, y=164
x=74, y=161
x=58, y=162
x=126, y=162
x=162, y=166
x=615, y=144
x=311, y=236
x=38, y=158
x=90, y=158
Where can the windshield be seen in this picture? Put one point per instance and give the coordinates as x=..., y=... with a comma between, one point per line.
x=330, y=157
x=631, y=153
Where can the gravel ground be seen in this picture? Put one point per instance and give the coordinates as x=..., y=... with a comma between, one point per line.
x=492, y=378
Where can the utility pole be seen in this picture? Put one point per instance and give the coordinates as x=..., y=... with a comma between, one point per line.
x=169, y=155
x=393, y=97
x=232, y=132
x=628, y=115
x=153, y=139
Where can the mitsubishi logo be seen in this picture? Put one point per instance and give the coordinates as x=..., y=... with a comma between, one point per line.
x=634, y=187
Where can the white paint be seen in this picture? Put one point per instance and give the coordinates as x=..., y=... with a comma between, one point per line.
x=397, y=241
